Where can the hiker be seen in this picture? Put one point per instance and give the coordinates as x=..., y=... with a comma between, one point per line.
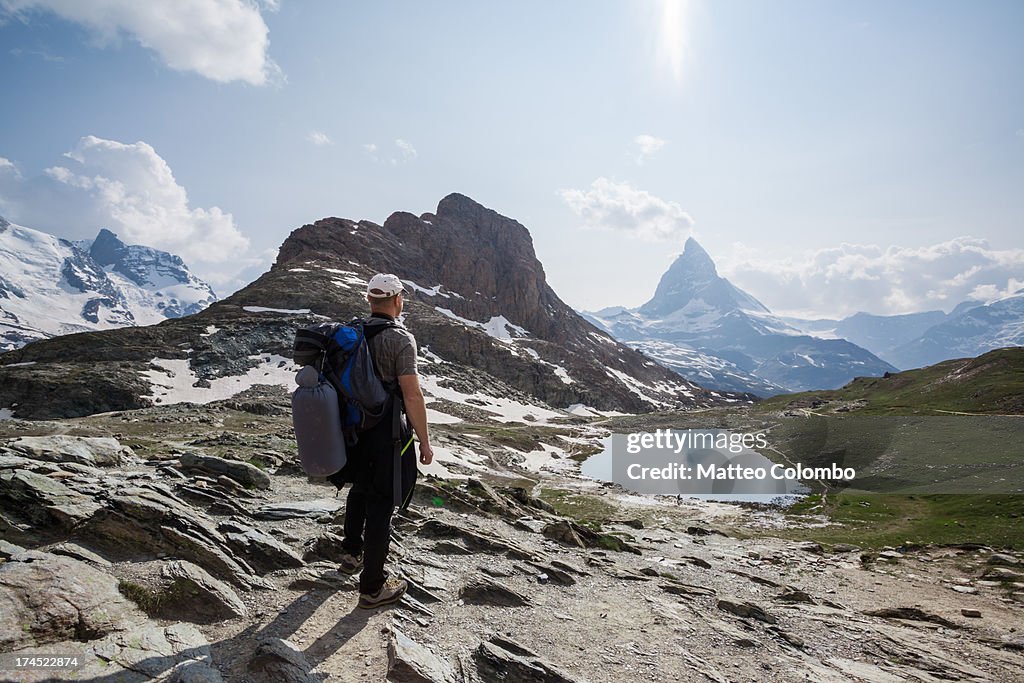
x=371, y=500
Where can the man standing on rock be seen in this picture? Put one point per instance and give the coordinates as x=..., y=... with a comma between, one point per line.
x=371, y=501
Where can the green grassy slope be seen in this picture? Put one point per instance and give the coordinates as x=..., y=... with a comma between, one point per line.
x=992, y=383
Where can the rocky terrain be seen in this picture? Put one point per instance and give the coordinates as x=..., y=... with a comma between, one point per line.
x=181, y=543
x=479, y=304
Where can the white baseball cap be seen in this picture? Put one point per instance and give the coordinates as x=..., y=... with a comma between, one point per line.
x=383, y=285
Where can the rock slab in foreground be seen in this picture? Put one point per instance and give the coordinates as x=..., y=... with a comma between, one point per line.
x=503, y=659
x=279, y=661
x=47, y=599
x=194, y=589
x=410, y=662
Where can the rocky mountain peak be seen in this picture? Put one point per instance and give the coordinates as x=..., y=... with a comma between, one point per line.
x=107, y=248
x=691, y=276
x=4, y=224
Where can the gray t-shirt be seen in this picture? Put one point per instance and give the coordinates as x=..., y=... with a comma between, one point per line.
x=394, y=353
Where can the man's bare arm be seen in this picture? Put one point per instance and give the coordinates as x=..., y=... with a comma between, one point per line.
x=416, y=409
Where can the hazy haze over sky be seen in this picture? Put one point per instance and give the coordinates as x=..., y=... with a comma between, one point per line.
x=831, y=156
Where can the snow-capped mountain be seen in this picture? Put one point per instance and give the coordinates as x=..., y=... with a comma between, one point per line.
x=50, y=286
x=710, y=331
x=496, y=342
x=880, y=334
x=967, y=332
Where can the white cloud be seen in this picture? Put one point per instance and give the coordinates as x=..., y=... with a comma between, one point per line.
x=223, y=40
x=6, y=165
x=403, y=153
x=406, y=152
x=621, y=207
x=843, y=280
x=131, y=190
x=319, y=138
x=646, y=146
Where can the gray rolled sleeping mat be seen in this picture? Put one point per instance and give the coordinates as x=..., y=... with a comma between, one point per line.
x=317, y=423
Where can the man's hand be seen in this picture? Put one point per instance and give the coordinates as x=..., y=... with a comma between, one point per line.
x=426, y=453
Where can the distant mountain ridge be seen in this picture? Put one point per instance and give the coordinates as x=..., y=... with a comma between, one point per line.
x=916, y=340
x=712, y=332
x=494, y=338
x=51, y=286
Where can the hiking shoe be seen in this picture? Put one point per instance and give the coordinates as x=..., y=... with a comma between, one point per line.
x=349, y=564
x=391, y=592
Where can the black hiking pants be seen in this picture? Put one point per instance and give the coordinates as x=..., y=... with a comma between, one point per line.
x=370, y=504
x=368, y=531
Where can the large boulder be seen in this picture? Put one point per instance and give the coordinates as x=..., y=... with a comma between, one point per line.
x=37, y=505
x=151, y=518
x=245, y=474
x=92, y=451
x=206, y=599
x=47, y=599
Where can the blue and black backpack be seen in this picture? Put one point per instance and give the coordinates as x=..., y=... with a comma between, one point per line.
x=340, y=353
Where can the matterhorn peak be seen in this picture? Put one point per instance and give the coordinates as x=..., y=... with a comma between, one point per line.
x=690, y=274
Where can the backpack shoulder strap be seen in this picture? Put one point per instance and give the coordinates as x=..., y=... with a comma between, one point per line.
x=374, y=326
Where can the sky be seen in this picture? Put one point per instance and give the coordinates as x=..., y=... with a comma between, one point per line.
x=832, y=157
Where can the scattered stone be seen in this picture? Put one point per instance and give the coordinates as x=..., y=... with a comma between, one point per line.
x=971, y=613
x=435, y=528
x=298, y=509
x=48, y=599
x=845, y=548
x=555, y=574
x=746, y=610
x=575, y=535
x=1003, y=560
x=278, y=661
x=911, y=614
x=488, y=592
x=758, y=579
x=686, y=590
x=196, y=591
x=1002, y=574
x=968, y=590
x=786, y=637
x=496, y=572
x=524, y=497
x=245, y=474
x=891, y=555
x=502, y=659
x=794, y=595
x=531, y=524
x=91, y=451
x=410, y=662
x=811, y=547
